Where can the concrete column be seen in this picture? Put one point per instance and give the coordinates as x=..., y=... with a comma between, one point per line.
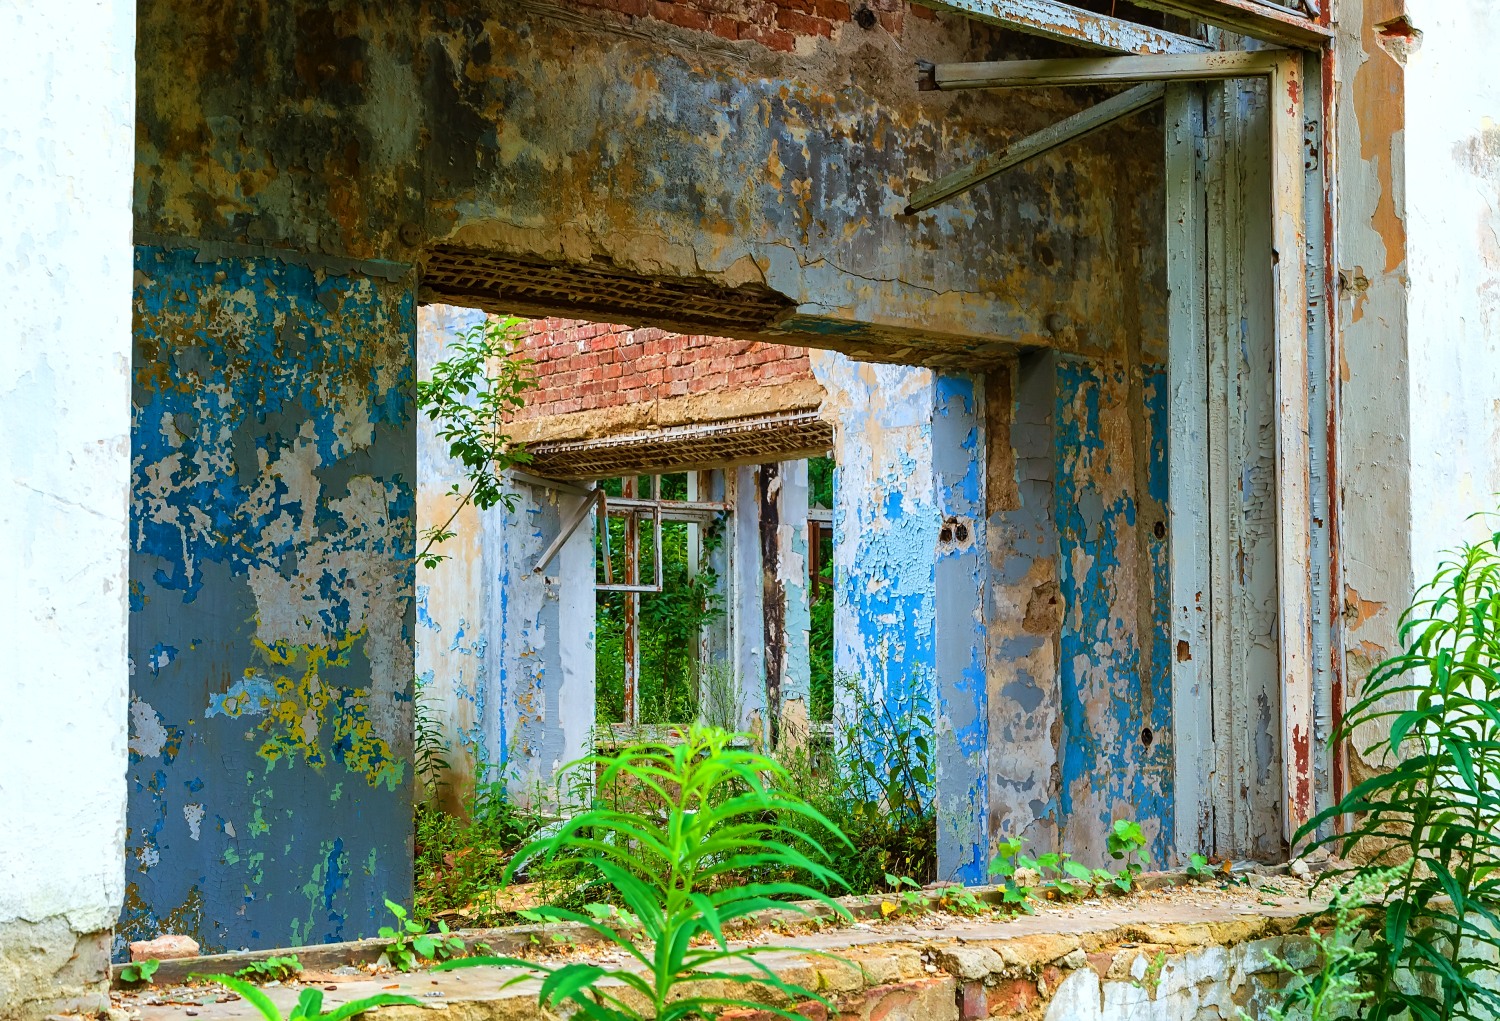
x=747, y=596
x=543, y=628
x=909, y=626
x=1419, y=304
x=67, y=72
x=791, y=570
x=506, y=654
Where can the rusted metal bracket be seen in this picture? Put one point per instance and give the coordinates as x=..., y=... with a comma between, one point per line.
x=1077, y=126
x=1062, y=22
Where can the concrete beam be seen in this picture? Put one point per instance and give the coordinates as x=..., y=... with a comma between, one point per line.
x=1062, y=22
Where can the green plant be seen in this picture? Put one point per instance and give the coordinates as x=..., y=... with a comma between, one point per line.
x=460, y=860
x=1025, y=878
x=960, y=900
x=1430, y=806
x=272, y=969
x=138, y=971
x=1152, y=977
x=468, y=395
x=1198, y=867
x=719, y=701
x=1126, y=843
x=411, y=943
x=1334, y=990
x=429, y=747
x=309, y=1006
x=910, y=899
x=705, y=816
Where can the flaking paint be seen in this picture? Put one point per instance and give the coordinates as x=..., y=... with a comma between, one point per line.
x=272, y=530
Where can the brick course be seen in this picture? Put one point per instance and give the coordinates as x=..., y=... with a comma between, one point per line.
x=584, y=366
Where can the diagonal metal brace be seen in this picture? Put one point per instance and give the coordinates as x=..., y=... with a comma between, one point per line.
x=586, y=506
x=1077, y=126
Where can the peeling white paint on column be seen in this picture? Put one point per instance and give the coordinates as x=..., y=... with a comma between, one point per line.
x=67, y=73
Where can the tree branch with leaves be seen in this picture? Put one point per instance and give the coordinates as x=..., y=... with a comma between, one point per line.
x=472, y=390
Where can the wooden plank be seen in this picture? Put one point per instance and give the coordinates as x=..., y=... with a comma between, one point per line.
x=1083, y=123
x=1011, y=74
x=1188, y=463
x=1247, y=17
x=1289, y=237
x=1062, y=22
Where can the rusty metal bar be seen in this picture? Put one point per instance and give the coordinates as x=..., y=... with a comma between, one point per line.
x=1082, y=123
x=1066, y=23
x=1012, y=74
x=594, y=498
x=631, y=642
x=1272, y=24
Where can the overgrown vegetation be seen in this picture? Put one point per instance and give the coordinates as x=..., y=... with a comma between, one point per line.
x=702, y=814
x=471, y=392
x=1430, y=813
x=876, y=784
x=820, y=473
x=272, y=969
x=461, y=861
x=671, y=620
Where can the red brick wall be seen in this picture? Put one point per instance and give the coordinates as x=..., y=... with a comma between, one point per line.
x=584, y=366
x=773, y=23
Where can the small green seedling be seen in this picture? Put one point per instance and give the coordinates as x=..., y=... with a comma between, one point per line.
x=411, y=943
x=1198, y=868
x=1007, y=864
x=309, y=1006
x=960, y=900
x=910, y=898
x=137, y=972
x=272, y=969
x=1126, y=843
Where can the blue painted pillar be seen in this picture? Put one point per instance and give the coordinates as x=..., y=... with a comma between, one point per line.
x=910, y=575
x=271, y=598
x=960, y=579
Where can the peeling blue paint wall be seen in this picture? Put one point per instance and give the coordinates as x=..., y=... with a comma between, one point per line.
x=271, y=583
x=960, y=578
x=505, y=655
x=910, y=573
x=1111, y=499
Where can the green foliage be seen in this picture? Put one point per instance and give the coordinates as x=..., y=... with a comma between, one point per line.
x=139, y=971
x=1199, y=868
x=429, y=747
x=309, y=1006
x=876, y=786
x=272, y=969
x=1335, y=989
x=411, y=942
x=705, y=816
x=1024, y=878
x=1432, y=811
x=460, y=861
x=1126, y=843
x=820, y=472
x=481, y=380
x=671, y=620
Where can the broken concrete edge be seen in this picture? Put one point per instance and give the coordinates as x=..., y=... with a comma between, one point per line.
x=944, y=975
x=518, y=939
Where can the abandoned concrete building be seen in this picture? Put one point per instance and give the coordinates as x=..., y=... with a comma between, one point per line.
x=1153, y=346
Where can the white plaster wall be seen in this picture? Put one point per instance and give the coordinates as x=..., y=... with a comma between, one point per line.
x=1452, y=144
x=67, y=73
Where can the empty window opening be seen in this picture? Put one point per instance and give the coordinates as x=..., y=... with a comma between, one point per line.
x=657, y=591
